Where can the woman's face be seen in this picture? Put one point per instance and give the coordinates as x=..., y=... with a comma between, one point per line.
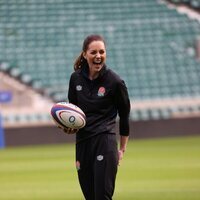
x=95, y=56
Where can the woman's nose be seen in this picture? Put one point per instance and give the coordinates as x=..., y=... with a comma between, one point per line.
x=98, y=55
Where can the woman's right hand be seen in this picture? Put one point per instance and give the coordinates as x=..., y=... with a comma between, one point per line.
x=69, y=130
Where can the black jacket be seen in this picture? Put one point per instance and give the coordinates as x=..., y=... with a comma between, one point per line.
x=101, y=100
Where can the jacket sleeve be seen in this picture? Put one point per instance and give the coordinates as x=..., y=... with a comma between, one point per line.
x=72, y=91
x=123, y=106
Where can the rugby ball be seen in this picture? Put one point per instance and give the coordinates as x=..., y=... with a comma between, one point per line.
x=68, y=115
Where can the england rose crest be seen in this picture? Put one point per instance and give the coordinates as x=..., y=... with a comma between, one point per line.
x=101, y=91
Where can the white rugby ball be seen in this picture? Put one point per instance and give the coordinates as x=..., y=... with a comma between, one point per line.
x=68, y=115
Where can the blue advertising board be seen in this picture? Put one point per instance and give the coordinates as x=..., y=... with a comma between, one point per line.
x=5, y=96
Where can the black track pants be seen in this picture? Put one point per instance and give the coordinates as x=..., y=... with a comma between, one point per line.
x=97, y=161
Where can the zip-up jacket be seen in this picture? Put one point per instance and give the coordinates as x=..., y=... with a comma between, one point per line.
x=101, y=100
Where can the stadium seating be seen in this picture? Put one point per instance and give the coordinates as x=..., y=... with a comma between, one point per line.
x=151, y=46
x=195, y=4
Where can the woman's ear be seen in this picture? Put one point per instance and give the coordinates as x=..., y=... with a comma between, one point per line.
x=84, y=55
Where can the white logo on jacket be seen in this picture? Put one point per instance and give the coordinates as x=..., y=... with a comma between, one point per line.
x=79, y=87
x=100, y=157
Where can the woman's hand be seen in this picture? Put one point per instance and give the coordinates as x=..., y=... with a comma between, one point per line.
x=122, y=148
x=120, y=155
x=69, y=130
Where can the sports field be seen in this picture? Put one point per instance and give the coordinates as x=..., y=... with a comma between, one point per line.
x=153, y=169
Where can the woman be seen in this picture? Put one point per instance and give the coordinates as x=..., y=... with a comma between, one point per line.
x=101, y=94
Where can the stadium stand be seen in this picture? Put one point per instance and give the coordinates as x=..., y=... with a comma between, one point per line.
x=149, y=44
x=21, y=105
x=194, y=4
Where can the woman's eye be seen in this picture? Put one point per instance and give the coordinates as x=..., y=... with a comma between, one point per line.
x=93, y=52
x=101, y=52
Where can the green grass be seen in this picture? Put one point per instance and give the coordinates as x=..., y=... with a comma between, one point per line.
x=153, y=169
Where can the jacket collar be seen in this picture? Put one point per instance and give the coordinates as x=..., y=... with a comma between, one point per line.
x=85, y=71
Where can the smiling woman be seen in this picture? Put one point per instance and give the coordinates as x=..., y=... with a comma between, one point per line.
x=101, y=94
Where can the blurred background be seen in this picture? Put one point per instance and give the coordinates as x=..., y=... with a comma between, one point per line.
x=153, y=44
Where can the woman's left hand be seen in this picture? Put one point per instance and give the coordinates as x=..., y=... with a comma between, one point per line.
x=120, y=155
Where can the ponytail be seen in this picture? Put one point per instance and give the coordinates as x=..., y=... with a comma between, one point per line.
x=79, y=61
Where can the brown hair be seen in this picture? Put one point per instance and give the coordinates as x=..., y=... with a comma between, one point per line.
x=80, y=60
